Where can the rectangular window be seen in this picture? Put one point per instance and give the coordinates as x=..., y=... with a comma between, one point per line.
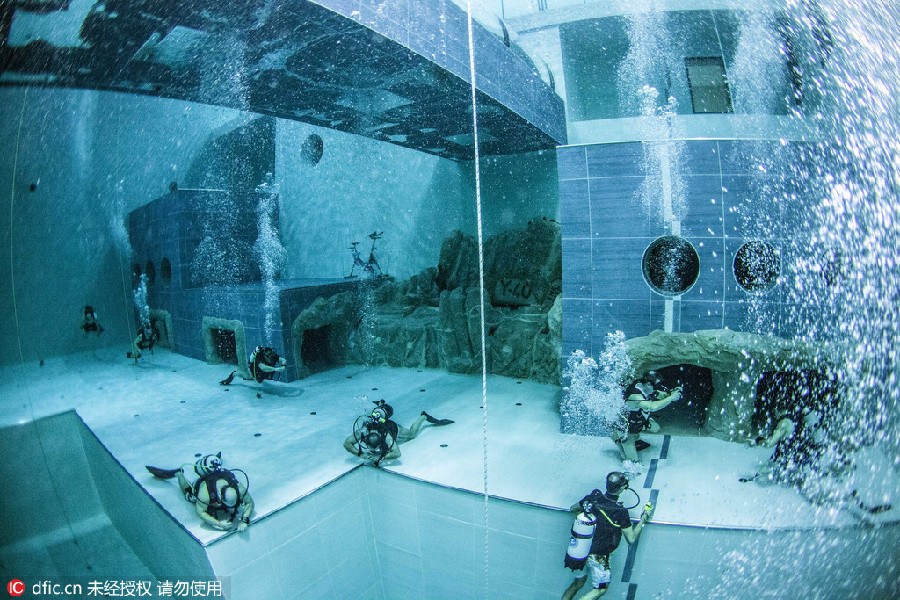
x=709, y=85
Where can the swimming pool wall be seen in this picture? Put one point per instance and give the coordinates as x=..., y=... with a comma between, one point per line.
x=606, y=229
x=71, y=510
x=378, y=535
x=89, y=173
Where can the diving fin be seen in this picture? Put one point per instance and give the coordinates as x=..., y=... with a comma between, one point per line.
x=434, y=421
x=641, y=445
x=871, y=509
x=875, y=509
x=163, y=473
x=228, y=380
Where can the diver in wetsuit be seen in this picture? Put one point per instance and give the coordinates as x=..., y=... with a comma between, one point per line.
x=219, y=496
x=644, y=396
x=90, y=321
x=147, y=337
x=377, y=437
x=264, y=364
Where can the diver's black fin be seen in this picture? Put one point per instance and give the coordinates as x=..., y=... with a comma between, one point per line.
x=228, y=380
x=875, y=509
x=162, y=473
x=641, y=445
x=434, y=421
x=871, y=509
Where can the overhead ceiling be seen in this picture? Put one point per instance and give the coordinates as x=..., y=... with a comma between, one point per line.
x=389, y=75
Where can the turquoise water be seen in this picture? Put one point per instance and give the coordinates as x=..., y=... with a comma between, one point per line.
x=213, y=170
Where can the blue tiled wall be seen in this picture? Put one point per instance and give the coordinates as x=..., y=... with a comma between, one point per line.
x=734, y=192
x=172, y=227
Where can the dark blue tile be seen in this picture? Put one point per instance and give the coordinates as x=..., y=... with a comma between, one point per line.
x=617, y=209
x=574, y=209
x=709, y=284
x=571, y=162
x=617, y=271
x=577, y=318
x=631, y=317
x=751, y=208
x=812, y=271
x=736, y=317
x=801, y=207
x=615, y=160
x=576, y=268
x=763, y=317
x=700, y=158
x=796, y=319
x=696, y=316
x=754, y=157
x=703, y=209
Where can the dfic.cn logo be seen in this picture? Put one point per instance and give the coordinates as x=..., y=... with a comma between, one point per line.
x=15, y=588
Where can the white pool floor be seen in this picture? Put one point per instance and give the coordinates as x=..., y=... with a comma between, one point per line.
x=288, y=437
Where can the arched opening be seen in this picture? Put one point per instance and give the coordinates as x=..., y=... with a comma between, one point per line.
x=165, y=271
x=688, y=415
x=225, y=343
x=313, y=149
x=314, y=349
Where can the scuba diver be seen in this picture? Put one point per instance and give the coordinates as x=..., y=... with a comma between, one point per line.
x=377, y=437
x=220, y=498
x=264, y=364
x=147, y=337
x=90, y=322
x=808, y=456
x=598, y=529
x=644, y=396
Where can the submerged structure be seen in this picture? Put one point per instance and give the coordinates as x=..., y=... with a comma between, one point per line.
x=565, y=195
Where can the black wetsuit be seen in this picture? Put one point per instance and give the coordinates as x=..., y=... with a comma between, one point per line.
x=639, y=419
x=216, y=507
x=265, y=356
x=388, y=428
x=149, y=337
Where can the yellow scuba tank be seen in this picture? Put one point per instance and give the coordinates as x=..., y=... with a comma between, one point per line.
x=580, y=542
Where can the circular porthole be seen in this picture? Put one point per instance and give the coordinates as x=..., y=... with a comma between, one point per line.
x=165, y=271
x=150, y=270
x=757, y=266
x=312, y=149
x=670, y=265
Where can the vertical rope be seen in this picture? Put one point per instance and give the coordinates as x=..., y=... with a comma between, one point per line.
x=12, y=228
x=484, y=403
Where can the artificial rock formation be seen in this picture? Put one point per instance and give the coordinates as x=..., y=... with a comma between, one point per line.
x=737, y=361
x=433, y=319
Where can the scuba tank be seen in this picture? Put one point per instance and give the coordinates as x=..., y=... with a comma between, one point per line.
x=580, y=542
